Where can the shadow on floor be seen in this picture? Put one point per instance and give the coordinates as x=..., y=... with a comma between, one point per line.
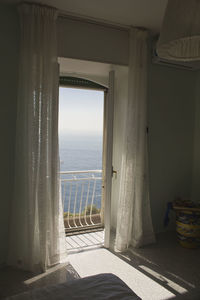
x=170, y=265
x=14, y=281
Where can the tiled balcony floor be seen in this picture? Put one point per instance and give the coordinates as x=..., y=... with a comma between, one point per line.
x=85, y=241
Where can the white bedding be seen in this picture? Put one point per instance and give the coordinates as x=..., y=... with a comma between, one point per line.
x=98, y=287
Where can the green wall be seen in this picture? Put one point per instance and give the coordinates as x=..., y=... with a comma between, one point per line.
x=196, y=161
x=9, y=33
x=171, y=111
x=171, y=98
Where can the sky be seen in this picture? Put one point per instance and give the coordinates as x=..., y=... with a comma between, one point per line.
x=80, y=111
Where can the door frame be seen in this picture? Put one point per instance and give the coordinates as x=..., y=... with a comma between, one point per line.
x=107, y=169
x=107, y=156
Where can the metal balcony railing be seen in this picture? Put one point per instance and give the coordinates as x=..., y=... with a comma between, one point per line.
x=82, y=199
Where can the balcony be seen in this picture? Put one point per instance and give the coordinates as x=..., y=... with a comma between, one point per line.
x=82, y=200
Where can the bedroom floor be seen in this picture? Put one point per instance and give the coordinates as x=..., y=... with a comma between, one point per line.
x=161, y=271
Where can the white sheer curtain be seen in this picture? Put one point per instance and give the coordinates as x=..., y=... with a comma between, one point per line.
x=134, y=225
x=37, y=238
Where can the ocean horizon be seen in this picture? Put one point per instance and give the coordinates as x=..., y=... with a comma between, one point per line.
x=78, y=152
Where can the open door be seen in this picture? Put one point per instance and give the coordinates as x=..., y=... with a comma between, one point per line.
x=107, y=156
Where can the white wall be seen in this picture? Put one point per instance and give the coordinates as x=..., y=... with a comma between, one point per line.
x=9, y=32
x=171, y=95
x=94, y=71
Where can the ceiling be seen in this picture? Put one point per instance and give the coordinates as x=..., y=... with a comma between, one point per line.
x=141, y=13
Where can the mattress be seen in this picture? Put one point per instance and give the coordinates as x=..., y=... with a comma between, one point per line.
x=98, y=287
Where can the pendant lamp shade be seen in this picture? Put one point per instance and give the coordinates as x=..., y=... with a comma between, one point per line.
x=180, y=33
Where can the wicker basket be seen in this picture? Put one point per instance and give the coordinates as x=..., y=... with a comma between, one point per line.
x=188, y=226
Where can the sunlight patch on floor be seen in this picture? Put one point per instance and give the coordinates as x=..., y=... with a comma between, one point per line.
x=103, y=261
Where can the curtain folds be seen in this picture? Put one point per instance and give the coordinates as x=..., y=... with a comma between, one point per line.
x=37, y=237
x=134, y=225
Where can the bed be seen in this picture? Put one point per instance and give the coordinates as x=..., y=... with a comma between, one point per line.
x=98, y=287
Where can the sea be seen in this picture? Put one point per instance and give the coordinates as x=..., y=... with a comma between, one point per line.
x=80, y=152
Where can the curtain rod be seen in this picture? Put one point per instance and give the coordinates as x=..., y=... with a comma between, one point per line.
x=90, y=20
